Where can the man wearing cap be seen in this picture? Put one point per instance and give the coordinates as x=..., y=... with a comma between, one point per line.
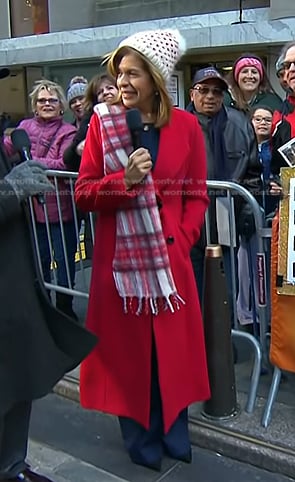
x=232, y=155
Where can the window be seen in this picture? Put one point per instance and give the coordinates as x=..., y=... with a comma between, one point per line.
x=29, y=17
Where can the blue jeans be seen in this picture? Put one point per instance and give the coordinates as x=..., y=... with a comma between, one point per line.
x=58, y=252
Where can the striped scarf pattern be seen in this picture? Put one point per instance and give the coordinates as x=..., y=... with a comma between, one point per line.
x=141, y=266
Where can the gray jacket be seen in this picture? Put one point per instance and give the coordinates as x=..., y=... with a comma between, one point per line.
x=242, y=160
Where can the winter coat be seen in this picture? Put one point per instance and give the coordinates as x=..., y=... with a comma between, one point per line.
x=263, y=99
x=38, y=344
x=48, y=142
x=241, y=163
x=70, y=157
x=283, y=130
x=116, y=377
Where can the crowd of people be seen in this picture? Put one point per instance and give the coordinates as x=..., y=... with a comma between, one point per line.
x=148, y=258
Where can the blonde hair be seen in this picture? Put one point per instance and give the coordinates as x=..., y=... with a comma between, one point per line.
x=48, y=85
x=162, y=104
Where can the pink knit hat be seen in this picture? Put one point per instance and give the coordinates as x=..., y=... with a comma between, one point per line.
x=248, y=62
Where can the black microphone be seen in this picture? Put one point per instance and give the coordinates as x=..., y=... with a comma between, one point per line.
x=22, y=144
x=135, y=126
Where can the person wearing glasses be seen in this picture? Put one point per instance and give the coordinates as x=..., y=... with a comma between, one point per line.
x=50, y=135
x=283, y=125
x=247, y=302
x=232, y=155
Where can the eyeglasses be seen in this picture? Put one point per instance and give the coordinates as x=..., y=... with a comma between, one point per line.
x=216, y=91
x=51, y=101
x=259, y=119
x=287, y=64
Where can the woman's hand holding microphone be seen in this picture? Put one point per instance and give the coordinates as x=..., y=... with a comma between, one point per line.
x=139, y=165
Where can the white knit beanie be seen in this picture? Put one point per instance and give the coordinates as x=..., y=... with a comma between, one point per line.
x=162, y=47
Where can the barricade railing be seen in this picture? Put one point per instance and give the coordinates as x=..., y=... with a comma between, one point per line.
x=78, y=222
x=258, y=344
x=233, y=189
x=83, y=227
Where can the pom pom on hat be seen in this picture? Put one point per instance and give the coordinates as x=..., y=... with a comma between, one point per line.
x=77, y=88
x=163, y=48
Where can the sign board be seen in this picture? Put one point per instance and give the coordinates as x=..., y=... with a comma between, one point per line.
x=286, y=248
x=176, y=89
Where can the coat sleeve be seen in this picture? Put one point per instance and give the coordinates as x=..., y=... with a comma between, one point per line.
x=252, y=177
x=9, y=204
x=95, y=191
x=195, y=198
x=70, y=157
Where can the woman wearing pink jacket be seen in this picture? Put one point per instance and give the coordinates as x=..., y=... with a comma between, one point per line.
x=49, y=136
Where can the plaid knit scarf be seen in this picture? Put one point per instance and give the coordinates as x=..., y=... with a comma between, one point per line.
x=141, y=265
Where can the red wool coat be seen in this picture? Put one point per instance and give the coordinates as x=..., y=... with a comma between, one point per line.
x=116, y=376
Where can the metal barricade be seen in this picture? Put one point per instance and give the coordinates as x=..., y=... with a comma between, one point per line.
x=259, y=346
x=80, y=289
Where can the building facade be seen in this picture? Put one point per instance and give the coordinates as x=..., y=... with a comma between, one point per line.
x=61, y=38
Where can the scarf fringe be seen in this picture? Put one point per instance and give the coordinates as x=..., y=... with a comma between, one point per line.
x=138, y=306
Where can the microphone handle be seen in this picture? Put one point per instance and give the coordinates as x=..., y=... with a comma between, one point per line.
x=136, y=139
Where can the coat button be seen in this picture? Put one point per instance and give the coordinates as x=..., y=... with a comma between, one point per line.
x=170, y=240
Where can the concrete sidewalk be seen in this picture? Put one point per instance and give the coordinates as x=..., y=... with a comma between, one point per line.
x=242, y=437
x=61, y=467
x=70, y=444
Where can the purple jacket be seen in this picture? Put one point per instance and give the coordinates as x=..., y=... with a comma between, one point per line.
x=49, y=139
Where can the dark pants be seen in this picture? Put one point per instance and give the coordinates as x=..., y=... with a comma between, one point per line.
x=147, y=446
x=14, y=429
x=59, y=256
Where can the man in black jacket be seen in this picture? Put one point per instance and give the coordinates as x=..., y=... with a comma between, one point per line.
x=232, y=155
x=38, y=344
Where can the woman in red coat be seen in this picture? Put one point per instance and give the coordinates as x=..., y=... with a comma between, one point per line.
x=150, y=363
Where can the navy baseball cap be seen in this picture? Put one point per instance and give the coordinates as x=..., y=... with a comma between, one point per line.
x=209, y=73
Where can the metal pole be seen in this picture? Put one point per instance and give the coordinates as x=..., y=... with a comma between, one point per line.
x=217, y=326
